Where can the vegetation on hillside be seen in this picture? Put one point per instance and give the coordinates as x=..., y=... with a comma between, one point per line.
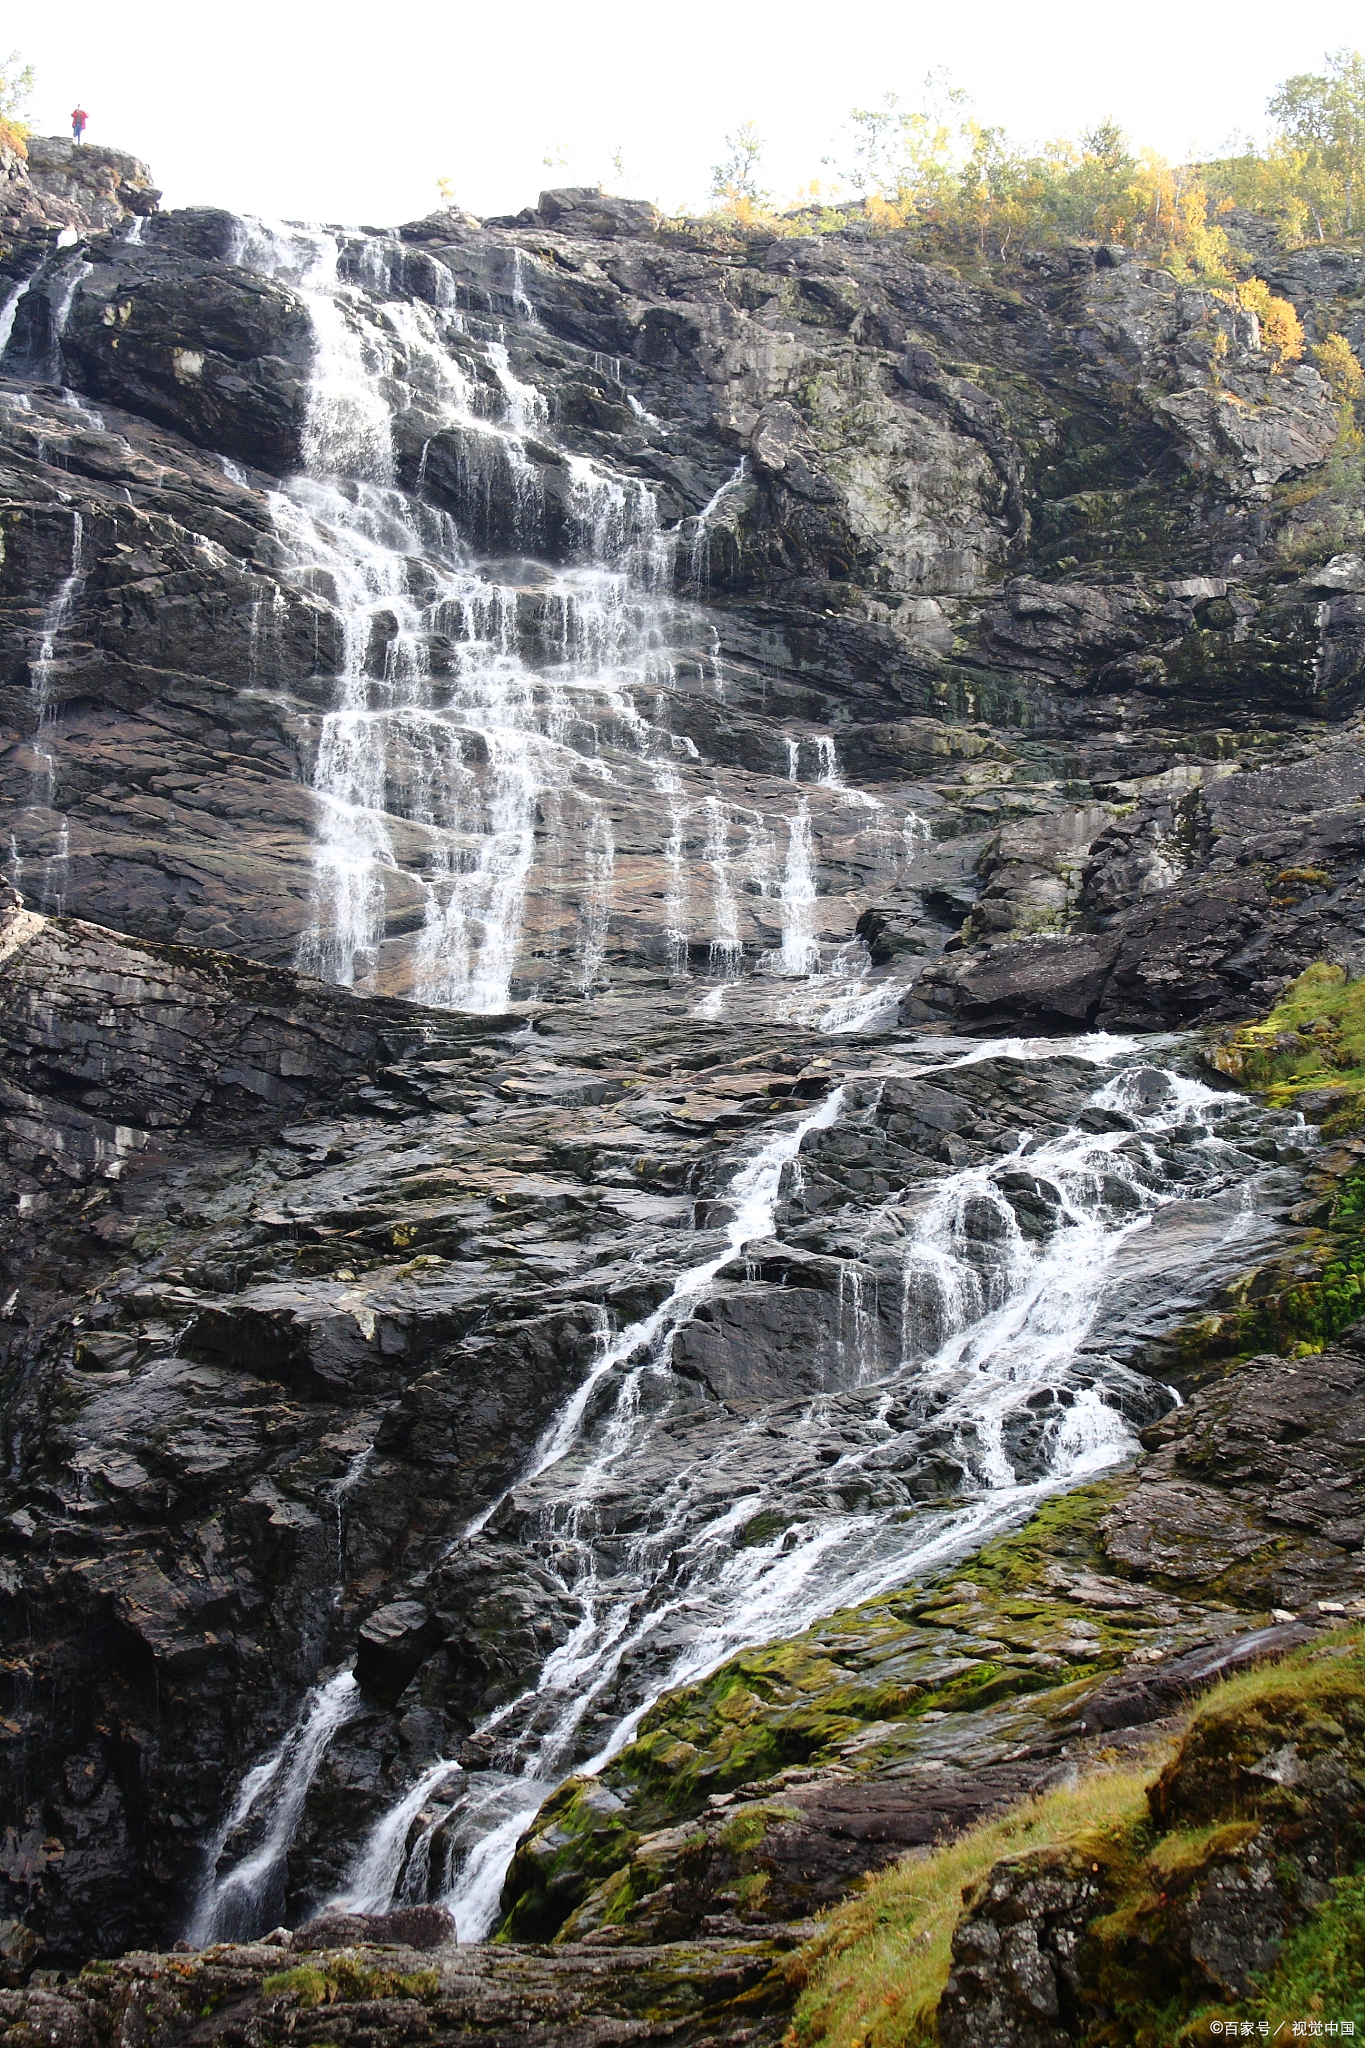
x=875, y=1973
x=1154, y=1840
x=960, y=185
x=16, y=89
x=1309, y=1053
x=1313, y=1038
x=1311, y=176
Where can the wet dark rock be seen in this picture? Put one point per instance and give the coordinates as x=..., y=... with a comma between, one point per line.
x=787, y=1853
x=1203, y=901
x=412, y=1927
x=1257, y=1485
x=718, y=1990
x=239, y=390
x=393, y=1644
x=1139, y=1696
x=584, y=210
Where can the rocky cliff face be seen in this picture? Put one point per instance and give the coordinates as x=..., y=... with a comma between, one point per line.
x=519, y=741
x=716, y=529
x=75, y=188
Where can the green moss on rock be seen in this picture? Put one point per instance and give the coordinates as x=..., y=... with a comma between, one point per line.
x=1181, y=1909
x=1307, y=1053
x=342, y=1978
x=1005, y=1634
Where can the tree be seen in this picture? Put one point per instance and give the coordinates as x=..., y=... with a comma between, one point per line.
x=1322, y=119
x=1281, y=328
x=1311, y=178
x=1107, y=145
x=734, y=180
x=16, y=87
x=939, y=171
x=908, y=162
x=872, y=156
x=1340, y=368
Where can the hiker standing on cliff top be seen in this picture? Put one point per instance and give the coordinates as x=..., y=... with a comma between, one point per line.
x=78, y=121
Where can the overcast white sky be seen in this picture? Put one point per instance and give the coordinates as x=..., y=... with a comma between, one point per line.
x=350, y=112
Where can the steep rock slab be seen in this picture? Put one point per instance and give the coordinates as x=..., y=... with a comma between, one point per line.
x=296, y=1283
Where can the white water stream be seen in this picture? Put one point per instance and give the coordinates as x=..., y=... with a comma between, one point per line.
x=682, y=1528
x=50, y=889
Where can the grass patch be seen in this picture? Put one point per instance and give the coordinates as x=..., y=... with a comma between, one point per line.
x=1313, y=1038
x=1322, y=1969
x=874, y=1975
x=872, y=1978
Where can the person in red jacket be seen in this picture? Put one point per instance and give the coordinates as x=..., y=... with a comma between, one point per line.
x=78, y=121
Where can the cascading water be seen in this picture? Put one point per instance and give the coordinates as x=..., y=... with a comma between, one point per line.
x=701, y=533
x=272, y=1796
x=9, y=306
x=992, y=1330
x=486, y=717
x=680, y=1531
x=51, y=889
x=800, y=953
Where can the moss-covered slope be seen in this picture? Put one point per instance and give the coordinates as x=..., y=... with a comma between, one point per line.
x=763, y=1793
x=1134, y=1908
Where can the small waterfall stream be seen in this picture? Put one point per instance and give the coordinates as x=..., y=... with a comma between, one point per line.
x=51, y=888
x=967, y=1341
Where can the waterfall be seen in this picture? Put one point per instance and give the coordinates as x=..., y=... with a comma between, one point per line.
x=595, y=909
x=275, y=1790
x=701, y=533
x=57, y=278
x=521, y=303
x=250, y=1896
x=675, y=896
x=800, y=953
x=429, y=778
x=63, y=299
x=832, y=777
x=54, y=622
x=51, y=890
x=752, y=1529
x=481, y=701
x=9, y=306
x=726, y=950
